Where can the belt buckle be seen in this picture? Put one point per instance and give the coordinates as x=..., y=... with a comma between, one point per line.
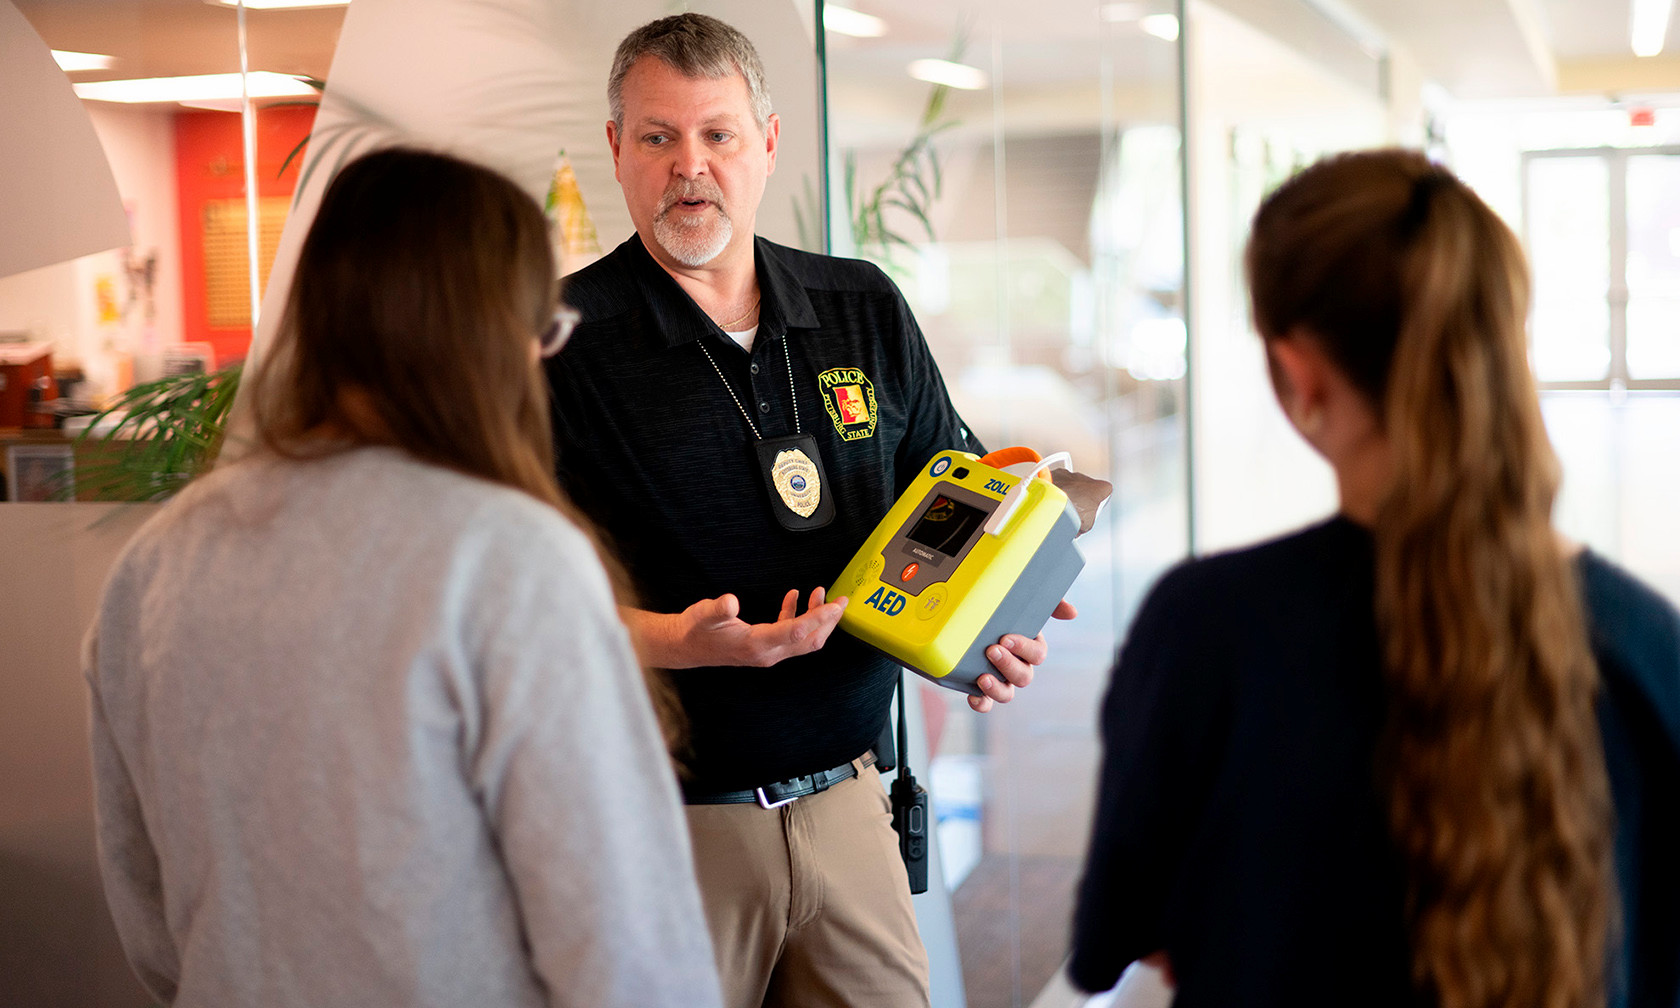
x=764, y=801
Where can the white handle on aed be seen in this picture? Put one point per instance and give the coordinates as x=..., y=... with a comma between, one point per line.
x=1012, y=499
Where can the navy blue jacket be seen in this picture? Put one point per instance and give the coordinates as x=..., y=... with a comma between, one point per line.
x=1239, y=825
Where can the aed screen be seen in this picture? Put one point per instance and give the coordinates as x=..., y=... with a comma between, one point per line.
x=946, y=525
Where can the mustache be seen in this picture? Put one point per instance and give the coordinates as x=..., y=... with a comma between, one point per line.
x=690, y=189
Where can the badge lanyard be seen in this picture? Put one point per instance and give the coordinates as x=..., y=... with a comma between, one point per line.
x=791, y=466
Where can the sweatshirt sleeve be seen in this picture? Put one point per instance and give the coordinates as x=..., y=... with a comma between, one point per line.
x=579, y=790
x=128, y=863
x=1157, y=719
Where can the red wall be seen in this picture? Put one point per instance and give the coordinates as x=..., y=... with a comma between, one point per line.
x=210, y=165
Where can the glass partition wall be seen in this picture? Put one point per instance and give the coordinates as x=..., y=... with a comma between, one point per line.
x=198, y=171
x=1017, y=168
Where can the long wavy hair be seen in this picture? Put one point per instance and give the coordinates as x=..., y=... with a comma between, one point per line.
x=1491, y=762
x=419, y=292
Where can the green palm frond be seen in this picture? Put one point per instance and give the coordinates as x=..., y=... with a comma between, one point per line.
x=913, y=181
x=320, y=87
x=167, y=432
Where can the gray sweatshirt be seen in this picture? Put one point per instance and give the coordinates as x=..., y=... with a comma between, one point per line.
x=367, y=732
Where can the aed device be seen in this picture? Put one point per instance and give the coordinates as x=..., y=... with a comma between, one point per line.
x=967, y=554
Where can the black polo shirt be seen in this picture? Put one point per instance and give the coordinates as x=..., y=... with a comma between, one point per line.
x=653, y=448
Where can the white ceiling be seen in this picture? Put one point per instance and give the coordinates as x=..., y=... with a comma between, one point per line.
x=1519, y=48
x=167, y=38
x=1473, y=48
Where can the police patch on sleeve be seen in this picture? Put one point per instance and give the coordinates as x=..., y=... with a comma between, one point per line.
x=850, y=398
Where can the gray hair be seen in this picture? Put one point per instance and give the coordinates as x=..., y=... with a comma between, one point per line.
x=694, y=45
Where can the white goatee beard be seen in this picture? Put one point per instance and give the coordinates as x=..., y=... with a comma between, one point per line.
x=693, y=243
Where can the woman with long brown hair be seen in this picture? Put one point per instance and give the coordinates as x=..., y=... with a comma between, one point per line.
x=1426, y=752
x=366, y=728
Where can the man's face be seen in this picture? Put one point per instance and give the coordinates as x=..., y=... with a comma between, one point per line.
x=692, y=163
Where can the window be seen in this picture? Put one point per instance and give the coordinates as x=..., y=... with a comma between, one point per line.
x=1603, y=234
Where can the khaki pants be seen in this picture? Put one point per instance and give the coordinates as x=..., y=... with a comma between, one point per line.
x=808, y=904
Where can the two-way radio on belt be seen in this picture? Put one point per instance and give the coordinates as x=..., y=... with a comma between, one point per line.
x=910, y=807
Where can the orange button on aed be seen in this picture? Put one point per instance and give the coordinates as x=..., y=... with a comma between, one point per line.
x=909, y=572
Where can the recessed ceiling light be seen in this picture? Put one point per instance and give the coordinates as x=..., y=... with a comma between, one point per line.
x=857, y=24
x=205, y=87
x=957, y=75
x=70, y=62
x=279, y=4
x=1162, y=26
x=1648, y=25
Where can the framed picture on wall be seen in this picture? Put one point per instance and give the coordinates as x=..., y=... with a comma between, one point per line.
x=40, y=473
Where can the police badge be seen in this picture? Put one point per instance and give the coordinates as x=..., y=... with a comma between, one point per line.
x=793, y=475
x=796, y=481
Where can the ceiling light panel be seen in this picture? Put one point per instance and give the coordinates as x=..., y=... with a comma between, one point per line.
x=279, y=4
x=845, y=21
x=1648, y=25
x=957, y=75
x=1162, y=26
x=204, y=87
x=70, y=62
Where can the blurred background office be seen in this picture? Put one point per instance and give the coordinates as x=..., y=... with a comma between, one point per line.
x=1060, y=187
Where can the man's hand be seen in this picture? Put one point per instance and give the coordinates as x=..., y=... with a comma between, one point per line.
x=1014, y=657
x=711, y=632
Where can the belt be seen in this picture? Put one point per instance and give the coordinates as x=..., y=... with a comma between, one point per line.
x=780, y=793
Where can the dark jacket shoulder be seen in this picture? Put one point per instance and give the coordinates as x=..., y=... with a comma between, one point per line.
x=816, y=271
x=608, y=285
x=1269, y=567
x=1635, y=637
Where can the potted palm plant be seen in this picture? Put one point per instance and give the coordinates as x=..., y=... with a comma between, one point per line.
x=166, y=432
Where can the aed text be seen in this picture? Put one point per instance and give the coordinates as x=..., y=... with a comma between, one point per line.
x=887, y=601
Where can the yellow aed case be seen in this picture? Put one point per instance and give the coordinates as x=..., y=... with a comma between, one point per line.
x=967, y=554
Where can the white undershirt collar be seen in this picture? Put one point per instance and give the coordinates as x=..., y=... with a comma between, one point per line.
x=744, y=337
